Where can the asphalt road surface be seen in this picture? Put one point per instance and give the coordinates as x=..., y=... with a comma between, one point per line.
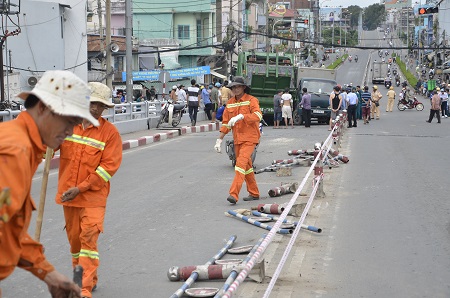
x=385, y=217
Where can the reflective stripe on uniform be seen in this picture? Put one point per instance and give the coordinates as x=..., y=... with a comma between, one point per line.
x=259, y=115
x=226, y=125
x=86, y=141
x=103, y=173
x=76, y=255
x=238, y=104
x=242, y=171
x=249, y=171
x=92, y=254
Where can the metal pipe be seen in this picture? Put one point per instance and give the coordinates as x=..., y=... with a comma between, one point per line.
x=257, y=223
x=194, y=275
x=295, y=223
x=234, y=273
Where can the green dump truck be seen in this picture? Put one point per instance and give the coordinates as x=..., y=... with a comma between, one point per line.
x=266, y=73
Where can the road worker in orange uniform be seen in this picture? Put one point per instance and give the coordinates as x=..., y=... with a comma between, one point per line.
x=89, y=158
x=57, y=103
x=242, y=115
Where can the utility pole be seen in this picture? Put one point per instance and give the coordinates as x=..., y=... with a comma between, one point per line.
x=267, y=28
x=100, y=31
x=6, y=10
x=129, y=50
x=108, y=44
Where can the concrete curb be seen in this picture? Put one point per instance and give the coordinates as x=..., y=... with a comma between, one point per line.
x=145, y=140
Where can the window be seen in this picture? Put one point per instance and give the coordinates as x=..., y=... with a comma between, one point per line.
x=199, y=32
x=183, y=32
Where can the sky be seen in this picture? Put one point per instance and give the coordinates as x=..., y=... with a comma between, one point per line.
x=347, y=3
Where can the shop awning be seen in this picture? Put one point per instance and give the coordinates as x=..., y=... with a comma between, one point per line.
x=216, y=74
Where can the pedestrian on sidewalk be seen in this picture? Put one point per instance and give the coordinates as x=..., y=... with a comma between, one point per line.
x=89, y=158
x=215, y=100
x=335, y=102
x=306, y=107
x=391, y=99
x=56, y=104
x=277, y=109
x=207, y=101
x=444, y=103
x=286, y=108
x=435, y=106
x=359, y=106
x=365, y=105
x=193, y=101
x=242, y=115
x=352, y=100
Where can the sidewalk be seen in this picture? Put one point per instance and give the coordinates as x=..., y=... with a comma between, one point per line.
x=148, y=136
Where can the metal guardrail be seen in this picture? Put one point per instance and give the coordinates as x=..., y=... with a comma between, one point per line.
x=119, y=113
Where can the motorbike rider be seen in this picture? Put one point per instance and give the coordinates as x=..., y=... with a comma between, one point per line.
x=356, y=58
x=407, y=97
x=350, y=58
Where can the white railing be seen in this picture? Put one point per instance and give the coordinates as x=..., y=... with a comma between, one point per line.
x=119, y=113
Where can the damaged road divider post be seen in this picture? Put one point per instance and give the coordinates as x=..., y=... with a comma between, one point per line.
x=194, y=274
x=234, y=273
x=295, y=223
x=283, y=189
x=318, y=172
x=257, y=223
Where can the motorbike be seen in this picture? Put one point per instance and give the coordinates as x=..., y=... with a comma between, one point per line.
x=356, y=58
x=229, y=148
x=397, y=83
x=403, y=105
x=171, y=113
x=387, y=83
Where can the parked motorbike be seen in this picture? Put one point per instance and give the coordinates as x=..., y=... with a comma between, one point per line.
x=171, y=113
x=403, y=104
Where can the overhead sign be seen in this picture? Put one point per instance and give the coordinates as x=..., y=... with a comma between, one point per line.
x=174, y=74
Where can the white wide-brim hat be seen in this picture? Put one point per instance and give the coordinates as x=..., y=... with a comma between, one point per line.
x=64, y=93
x=101, y=93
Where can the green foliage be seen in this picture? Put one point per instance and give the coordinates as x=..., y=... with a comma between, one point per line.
x=374, y=16
x=354, y=10
x=338, y=62
x=412, y=80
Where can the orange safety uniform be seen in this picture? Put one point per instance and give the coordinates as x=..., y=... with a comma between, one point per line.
x=246, y=135
x=89, y=158
x=21, y=151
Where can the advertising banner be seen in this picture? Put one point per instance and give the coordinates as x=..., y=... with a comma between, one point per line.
x=174, y=74
x=330, y=14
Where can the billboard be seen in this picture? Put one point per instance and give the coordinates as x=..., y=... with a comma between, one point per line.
x=174, y=74
x=330, y=14
x=398, y=4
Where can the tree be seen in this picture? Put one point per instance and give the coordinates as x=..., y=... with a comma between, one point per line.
x=354, y=11
x=374, y=16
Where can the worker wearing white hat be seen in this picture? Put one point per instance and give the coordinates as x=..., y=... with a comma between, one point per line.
x=58, y=102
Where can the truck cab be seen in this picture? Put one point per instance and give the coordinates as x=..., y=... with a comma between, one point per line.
x=320, y=83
